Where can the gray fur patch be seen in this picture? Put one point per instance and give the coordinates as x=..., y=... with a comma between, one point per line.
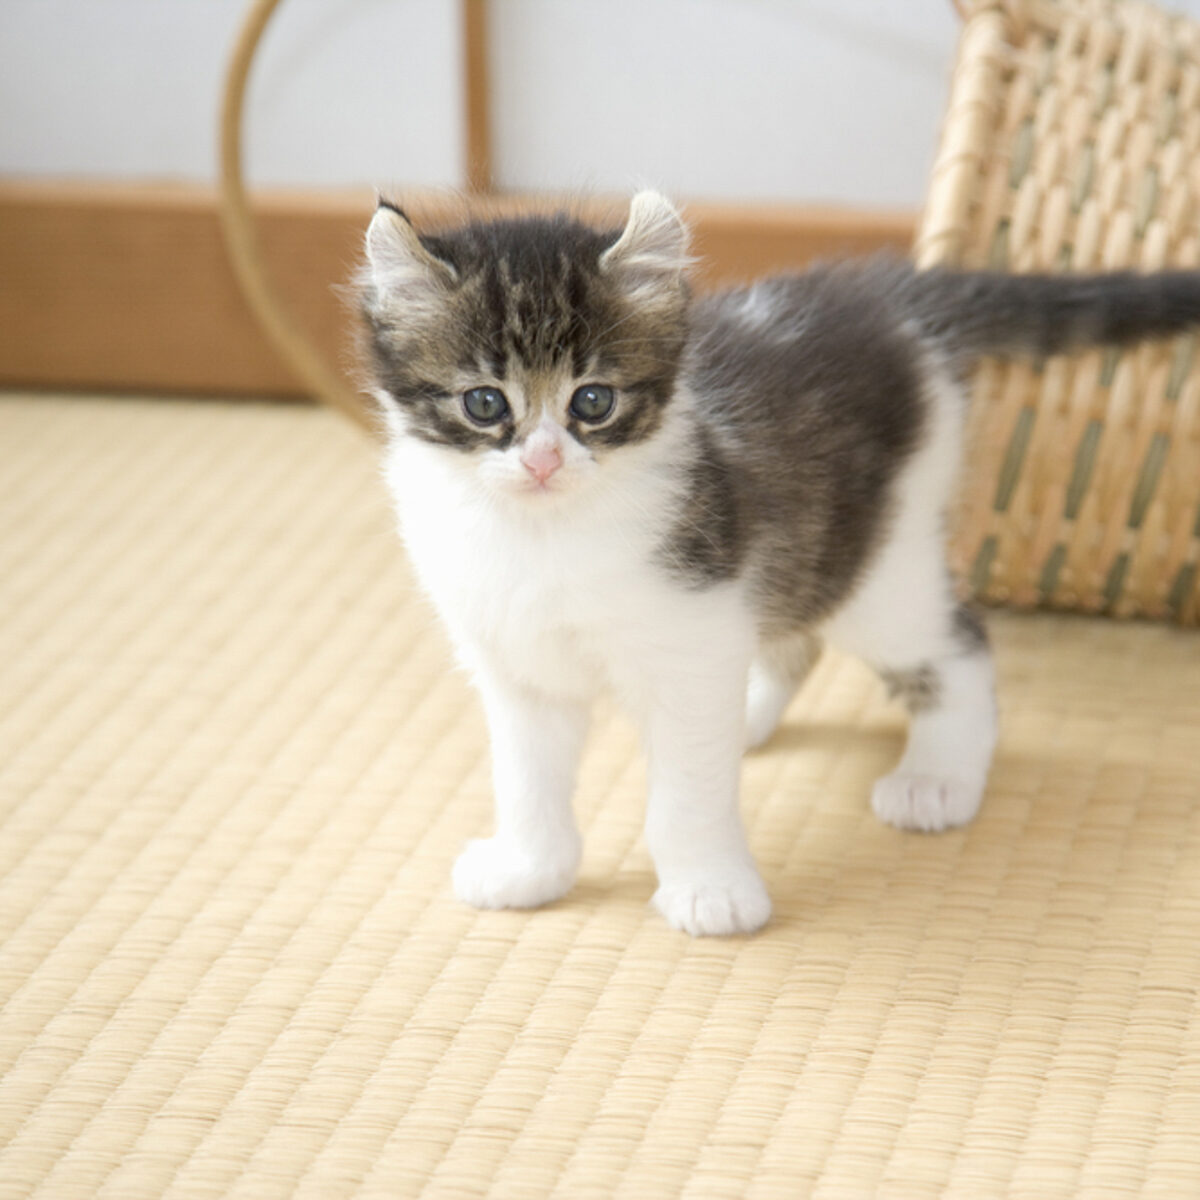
x=920, y=688
x=815, y=406
x=705, y=544
x=970, y=629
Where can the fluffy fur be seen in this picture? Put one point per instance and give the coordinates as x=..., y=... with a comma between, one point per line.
x=773, y=474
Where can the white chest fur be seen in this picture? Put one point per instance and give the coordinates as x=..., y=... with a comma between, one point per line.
x=553, y=593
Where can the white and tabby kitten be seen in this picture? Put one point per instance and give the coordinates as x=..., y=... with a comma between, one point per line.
x=605, y=485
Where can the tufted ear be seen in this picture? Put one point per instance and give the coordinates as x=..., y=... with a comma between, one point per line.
x=399, y=260
x=652, y=248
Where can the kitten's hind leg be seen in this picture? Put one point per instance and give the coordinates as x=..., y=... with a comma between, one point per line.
x=778, y=670
x=940, y=780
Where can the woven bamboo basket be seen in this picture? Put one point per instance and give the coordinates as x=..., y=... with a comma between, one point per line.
x=1072, y=142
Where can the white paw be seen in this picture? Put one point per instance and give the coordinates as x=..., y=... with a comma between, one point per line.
x=924, y=802
x=760, y=724
x=765, y=706
x=498, y=873
x=738, y=905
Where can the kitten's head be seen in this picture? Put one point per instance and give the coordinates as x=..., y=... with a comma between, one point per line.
x=533, y=350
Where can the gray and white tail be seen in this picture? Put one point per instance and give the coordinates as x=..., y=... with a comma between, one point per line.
x=972, y=313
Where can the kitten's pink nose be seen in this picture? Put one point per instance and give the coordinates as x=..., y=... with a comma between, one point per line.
x=541, y=459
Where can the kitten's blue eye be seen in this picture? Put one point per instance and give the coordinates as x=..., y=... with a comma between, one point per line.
x=485, y=405
x=592, y=402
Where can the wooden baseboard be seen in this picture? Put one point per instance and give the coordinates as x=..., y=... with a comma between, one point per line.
x=128, y=288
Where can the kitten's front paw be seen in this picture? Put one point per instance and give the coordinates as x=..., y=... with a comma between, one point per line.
x=924, y=802
x=497, y=873
x=737, y=905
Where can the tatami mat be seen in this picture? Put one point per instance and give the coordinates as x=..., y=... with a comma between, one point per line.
x=236, y=769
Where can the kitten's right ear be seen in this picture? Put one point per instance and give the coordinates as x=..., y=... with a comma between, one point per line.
x=398, y=258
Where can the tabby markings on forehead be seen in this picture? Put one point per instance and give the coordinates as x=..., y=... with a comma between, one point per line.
x=538, y=321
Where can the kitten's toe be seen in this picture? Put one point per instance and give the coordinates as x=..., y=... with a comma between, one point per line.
x=497, y=873
x=737, y=905
x=924, y=802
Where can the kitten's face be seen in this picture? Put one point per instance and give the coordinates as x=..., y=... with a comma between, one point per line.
x=531, y=351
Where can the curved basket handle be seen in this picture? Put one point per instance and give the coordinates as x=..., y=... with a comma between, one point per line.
x=241, y=236
x=1017, y=11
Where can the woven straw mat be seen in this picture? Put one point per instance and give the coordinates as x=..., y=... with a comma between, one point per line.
x=1071, y=142
x=236, y=767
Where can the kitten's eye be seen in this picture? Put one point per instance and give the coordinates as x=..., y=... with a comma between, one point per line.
x=485, y=405
x=592, y=402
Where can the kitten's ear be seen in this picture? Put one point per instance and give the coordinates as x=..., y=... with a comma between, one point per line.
x=652, y=249
x=398, y=258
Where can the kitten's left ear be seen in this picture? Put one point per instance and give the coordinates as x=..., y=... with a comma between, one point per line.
x=653, y=246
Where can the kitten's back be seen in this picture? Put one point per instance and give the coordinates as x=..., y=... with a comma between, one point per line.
x=814, y=394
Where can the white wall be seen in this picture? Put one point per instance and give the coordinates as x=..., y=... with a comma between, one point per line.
x=771, y=99
x=778, y=99
x=344, y=91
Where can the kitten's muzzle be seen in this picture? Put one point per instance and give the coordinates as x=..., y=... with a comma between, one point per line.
x=541, y=459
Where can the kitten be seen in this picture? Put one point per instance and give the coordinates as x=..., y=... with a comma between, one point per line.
x=605, y=484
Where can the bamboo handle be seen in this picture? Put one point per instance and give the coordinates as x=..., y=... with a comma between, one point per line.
x=241, y=236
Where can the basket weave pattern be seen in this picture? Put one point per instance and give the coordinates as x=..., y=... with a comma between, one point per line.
x=1072, y=142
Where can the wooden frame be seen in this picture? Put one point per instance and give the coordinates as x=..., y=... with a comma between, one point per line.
x=129, y=288
x=477, y=93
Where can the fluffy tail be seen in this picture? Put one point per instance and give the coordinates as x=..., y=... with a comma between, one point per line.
x=971, y=313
